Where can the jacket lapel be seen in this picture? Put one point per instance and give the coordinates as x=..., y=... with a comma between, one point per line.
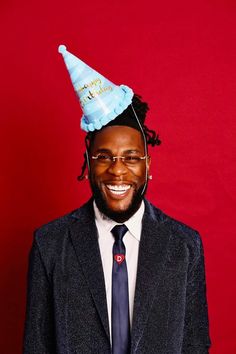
x=152, y=255
x=84, y=238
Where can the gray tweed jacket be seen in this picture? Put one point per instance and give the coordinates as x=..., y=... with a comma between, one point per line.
x=66, y=304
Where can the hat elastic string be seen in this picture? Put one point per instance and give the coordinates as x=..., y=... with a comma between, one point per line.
x=145, y=150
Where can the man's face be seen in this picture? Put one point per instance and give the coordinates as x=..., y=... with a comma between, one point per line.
x=117, y=187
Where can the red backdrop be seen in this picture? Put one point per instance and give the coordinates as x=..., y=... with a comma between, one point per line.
x=181, y=57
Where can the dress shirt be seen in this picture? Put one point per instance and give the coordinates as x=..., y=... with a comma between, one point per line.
x=131, y=241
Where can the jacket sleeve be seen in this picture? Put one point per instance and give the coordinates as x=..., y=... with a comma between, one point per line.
x=196, y=332
x=39, y=331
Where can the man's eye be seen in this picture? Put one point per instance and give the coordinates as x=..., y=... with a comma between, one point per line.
x=132, y=158
x=103, y=158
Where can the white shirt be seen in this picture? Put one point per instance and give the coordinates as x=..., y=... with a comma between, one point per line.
x=131, y=241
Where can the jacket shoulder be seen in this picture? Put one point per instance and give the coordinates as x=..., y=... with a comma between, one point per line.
x=161, y=217
x=180, y=234
x=57, y=228
x=51, y=239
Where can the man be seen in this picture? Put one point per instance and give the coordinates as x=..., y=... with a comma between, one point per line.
x=116, y=275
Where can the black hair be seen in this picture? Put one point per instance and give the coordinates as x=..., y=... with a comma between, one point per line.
x=126, y=118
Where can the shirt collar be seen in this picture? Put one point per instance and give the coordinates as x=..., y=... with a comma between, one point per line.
x=134, y=224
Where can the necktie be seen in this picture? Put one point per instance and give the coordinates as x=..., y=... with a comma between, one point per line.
x=120, y=295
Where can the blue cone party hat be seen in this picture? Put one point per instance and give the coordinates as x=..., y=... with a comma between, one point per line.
x=100, y=99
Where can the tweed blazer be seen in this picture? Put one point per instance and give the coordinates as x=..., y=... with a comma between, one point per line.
x=66, y=301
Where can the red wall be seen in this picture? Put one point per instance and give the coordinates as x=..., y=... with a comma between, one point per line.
x=181, y=57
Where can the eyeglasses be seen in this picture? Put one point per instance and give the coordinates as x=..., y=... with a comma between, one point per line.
x=128, y=160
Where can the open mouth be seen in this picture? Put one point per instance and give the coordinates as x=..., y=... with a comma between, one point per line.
x=118, y=189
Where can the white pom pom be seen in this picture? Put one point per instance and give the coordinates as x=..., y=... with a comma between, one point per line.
x=62, y=49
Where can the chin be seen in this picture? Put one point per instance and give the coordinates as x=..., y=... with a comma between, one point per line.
x=119, y=213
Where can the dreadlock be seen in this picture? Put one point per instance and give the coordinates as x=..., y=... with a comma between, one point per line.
x=141, y=109
x=151, y=136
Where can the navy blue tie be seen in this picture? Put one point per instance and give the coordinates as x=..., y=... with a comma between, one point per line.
x=120, y=295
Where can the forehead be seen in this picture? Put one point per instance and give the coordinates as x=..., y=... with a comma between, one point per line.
x=120, y=138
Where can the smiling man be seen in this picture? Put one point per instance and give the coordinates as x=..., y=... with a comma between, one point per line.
x=116, y=275
x=118, y=171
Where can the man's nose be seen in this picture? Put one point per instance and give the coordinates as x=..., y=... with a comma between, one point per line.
x=117, y=167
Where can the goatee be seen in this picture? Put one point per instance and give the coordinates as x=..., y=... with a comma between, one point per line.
x=118, y=216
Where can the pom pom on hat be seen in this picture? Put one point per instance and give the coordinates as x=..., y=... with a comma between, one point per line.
x=62, y=48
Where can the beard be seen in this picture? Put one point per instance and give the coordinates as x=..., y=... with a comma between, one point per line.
x=118, y=216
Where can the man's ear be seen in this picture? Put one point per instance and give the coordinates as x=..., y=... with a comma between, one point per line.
x=148, y=168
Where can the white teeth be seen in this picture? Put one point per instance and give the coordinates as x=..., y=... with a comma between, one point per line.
x=121, y=187
x=118, y=189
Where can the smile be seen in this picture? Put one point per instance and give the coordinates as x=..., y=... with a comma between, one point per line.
x=118, y=189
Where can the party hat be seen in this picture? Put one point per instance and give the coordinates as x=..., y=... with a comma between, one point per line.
x=100, y=99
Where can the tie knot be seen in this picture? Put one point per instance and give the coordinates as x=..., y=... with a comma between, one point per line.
x=119, y=231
